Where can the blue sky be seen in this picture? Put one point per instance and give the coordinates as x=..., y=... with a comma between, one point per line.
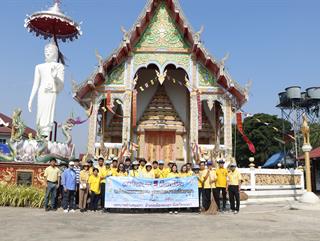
x=275, y=43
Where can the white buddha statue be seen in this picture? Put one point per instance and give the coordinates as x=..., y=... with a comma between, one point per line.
x=48, y=82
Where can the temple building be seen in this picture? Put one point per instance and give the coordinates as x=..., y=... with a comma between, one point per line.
x=161, y=94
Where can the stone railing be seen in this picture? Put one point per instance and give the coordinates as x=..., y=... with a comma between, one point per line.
x=271, y=179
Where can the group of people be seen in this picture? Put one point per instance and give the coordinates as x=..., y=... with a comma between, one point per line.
x=88, y=182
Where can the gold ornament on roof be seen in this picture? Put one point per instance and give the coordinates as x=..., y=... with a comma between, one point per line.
x=161, y=77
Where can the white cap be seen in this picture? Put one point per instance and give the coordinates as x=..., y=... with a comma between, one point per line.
x=71, y=163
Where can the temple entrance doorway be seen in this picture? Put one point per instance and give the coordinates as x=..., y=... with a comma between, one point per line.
x=162, y=114
x=160, y=145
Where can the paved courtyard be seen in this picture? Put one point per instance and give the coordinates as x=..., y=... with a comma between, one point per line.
x=256, y=222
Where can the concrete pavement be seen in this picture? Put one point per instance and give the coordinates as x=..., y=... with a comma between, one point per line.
x=255, y=222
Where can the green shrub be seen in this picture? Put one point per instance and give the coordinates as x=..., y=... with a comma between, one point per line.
x=21, y=196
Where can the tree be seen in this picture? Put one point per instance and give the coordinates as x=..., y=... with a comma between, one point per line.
x=265, y=132
x=315, y=135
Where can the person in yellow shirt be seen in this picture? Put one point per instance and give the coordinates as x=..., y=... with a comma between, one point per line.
x=167, y=169
x=90, y=162
x=155, y=168
x=52, y=181
x=183, y=171
x=108, y=168
x=142, y=166
x=127, y=164
x=212, y=181
x=148, y=173
x=234, y=186
x=162, y=171
x=196, y=172
x=102, y=174
x=221, y=184
x=206, y=186
x=121, y=172
x=114, y=167
x=94, y=189
x=174, y=172
x=134, y=172
x=189, y=168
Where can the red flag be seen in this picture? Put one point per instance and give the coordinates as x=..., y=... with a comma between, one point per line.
x=244, y=137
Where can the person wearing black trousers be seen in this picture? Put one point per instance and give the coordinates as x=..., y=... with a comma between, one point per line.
x=221, y=185
x=196, y=173
x=206, y=191
x=234, y=181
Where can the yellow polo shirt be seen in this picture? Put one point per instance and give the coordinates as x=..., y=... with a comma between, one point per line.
x=167, y=171
x=102, y=173
x=222, y=174
x=234, y=178
x=147, y=174
x=183, y=174
x=90, y=171
x=121, y=174
x=114, y=171
x=162, y=173
x=94, y=182
x=109, y=172
x=134, y=173
x=157, y=173
x=190, y=173
x=206, y=181
x=173, y=175
x=212, y=178
x=52, y=174
x=142, y=169
x=200, y=179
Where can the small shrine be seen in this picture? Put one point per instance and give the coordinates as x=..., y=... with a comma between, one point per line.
x=161, y=95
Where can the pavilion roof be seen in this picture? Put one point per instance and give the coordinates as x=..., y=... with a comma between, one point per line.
x=134, y=35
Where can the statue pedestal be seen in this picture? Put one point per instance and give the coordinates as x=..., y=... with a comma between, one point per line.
x=309, y=198
x=21, y=173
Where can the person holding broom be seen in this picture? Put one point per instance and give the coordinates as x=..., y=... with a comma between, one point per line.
x=206, y=187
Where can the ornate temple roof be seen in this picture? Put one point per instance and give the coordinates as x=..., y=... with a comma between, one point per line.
x=132, y=37
x=6, y=127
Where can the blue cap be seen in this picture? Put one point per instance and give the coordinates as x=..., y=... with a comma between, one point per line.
x=209, y=163
x=221, y=161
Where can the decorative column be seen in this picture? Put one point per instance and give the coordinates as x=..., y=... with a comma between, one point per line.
x=194, y=122
x=227, y=115
x=308, y=197
x=127, y=101
x=92, y=132
x=193, y=118
x=126, y=127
